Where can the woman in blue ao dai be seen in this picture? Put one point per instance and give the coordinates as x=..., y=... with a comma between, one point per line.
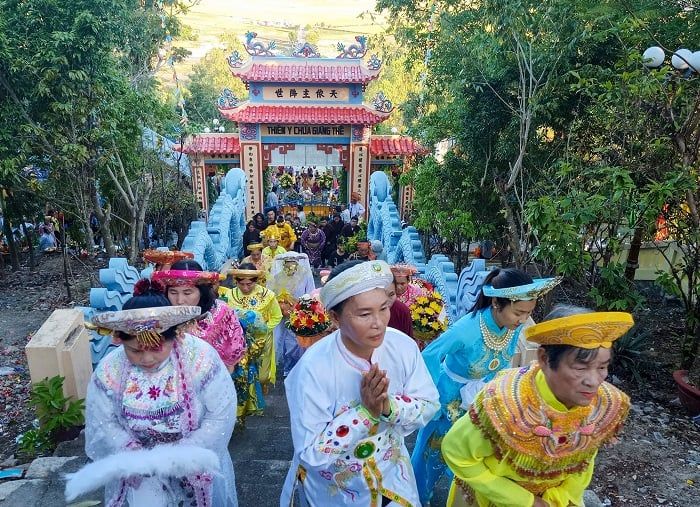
x=468, y=355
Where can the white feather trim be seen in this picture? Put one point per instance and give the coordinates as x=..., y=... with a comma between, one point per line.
x=161, y=461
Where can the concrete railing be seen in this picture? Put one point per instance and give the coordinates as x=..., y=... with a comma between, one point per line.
x=404, y=245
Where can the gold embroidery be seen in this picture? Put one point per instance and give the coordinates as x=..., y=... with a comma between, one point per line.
x=540, y=441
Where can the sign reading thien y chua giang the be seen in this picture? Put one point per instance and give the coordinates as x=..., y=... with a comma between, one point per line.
x=278, y=130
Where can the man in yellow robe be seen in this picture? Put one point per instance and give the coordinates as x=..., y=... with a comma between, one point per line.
x=248, y=295
x=282, y=231
x=273, y=248
x=532, y=434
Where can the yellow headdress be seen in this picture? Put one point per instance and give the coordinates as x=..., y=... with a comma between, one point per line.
x=585, y=330
x=255, y=246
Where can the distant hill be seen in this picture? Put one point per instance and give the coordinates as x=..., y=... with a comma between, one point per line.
x=213, y=20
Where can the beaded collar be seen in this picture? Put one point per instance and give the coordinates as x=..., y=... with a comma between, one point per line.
x=535, y=438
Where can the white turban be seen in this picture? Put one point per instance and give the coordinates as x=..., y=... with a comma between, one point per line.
x=356, y=280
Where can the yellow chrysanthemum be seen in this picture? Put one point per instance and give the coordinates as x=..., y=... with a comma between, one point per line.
x=435, y=325
x=435, y=306
x=429, y=311
x=424, y=321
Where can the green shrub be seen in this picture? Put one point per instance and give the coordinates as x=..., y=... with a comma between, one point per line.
x=55, y=412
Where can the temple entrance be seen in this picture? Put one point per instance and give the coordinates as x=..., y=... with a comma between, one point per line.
x=313, y=176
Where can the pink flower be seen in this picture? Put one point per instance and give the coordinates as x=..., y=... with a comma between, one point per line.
x=154, y=392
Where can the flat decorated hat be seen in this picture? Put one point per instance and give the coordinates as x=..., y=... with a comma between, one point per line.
x=402, y=269
x=528, y=292
x=166, y=256
x=246, y=273
x=146, y=323
x=585, y=330
x=184, y=277
x=255, y=247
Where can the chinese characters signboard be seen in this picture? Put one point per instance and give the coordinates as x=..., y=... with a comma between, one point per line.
x=307, y=93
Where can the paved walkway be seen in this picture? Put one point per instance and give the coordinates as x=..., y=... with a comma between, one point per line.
x=262, y=453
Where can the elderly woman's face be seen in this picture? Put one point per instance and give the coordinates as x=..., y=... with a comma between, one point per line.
x=401, y=284
x=363, y=321
x=574, y=382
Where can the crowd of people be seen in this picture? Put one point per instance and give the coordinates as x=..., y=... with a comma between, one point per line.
x=48, y=231
x=322, y=237
x=198, y=357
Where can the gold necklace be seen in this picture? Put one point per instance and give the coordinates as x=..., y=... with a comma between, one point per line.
x=492, y=340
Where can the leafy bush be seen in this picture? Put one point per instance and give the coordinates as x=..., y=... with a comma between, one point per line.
x=55, y=412
x=614, y=292
x=630, y=353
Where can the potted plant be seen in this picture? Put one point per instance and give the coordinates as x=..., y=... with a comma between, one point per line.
x=682, y=280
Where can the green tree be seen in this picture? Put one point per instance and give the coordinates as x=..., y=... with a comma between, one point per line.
x=493, y=67
x=79, y=95
x=208, y=78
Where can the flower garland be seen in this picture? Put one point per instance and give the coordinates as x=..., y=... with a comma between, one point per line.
x=426, y=314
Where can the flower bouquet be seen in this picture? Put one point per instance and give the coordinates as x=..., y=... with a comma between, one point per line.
x=309, y=321
x=325, y=181
x=286, y=180
x=428, y=316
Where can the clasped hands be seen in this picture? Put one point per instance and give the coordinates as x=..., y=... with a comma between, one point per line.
x=374, y=391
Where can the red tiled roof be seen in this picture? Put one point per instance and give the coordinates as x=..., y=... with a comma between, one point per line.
x=213, y=144
x=394, y=146
x=307, y=71
x=310, y=115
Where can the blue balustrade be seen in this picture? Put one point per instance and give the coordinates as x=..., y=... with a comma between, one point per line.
x=404, y=245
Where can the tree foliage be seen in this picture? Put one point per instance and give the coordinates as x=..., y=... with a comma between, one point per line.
x=77, y=86
x=566, y=133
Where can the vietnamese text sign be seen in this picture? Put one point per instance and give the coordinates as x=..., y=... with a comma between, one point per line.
x=276, y=130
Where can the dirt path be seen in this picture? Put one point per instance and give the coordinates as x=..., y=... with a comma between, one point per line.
x=27, y=298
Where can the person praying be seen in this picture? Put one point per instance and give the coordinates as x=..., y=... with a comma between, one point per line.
x=353, y=397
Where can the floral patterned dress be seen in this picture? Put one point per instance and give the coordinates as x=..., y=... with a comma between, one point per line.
x=219, y=327
x=342, y=454
x=186, y=400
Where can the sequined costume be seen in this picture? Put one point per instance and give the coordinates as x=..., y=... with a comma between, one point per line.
x=518, y=441
x=459, y=361
x=220, y=328
x=246, y=374
x=261, y=300
x=343, y=455
x=186, y=400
